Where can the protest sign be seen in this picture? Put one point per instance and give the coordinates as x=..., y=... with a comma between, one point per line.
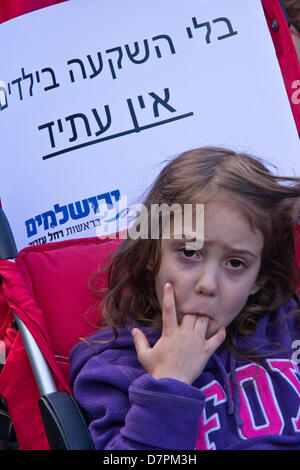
x=95, y=97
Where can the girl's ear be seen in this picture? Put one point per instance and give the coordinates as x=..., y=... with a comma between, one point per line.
x=255, y=288
x=257, y=285
x=150, y=264
x=153, y=260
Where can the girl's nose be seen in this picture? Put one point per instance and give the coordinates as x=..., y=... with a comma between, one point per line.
x=207, y=283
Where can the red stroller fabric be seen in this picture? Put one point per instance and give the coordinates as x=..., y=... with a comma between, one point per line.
x=47, y=287
x=286, y=54
x=12, y=8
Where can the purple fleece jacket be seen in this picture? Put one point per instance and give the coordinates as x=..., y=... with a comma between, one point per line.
x=234, y=404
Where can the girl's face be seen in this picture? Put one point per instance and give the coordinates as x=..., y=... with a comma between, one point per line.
x=216, y=280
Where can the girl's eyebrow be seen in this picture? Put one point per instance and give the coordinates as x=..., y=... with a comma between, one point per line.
x=234, y=249
x=190, y=238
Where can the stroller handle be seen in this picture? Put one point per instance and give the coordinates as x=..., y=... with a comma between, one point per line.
x=40, y=368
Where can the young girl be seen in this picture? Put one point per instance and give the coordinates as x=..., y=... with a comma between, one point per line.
x=197, y=348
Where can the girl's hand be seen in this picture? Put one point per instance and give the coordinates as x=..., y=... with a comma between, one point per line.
x=182, y=351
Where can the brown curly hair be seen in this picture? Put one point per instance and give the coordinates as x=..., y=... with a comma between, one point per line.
x=198, y=176
x=293, y=11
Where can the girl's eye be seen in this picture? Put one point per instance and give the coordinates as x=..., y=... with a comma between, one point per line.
x=236, y=264
x=188, y=253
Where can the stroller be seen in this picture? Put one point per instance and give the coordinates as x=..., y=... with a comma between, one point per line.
x=37, y=410
x=44, y=295
x=40, y=294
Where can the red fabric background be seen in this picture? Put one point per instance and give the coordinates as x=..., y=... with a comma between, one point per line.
x=285, y=51
x=12, y=8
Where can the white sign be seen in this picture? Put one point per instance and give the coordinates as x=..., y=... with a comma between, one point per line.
x=95, y=96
